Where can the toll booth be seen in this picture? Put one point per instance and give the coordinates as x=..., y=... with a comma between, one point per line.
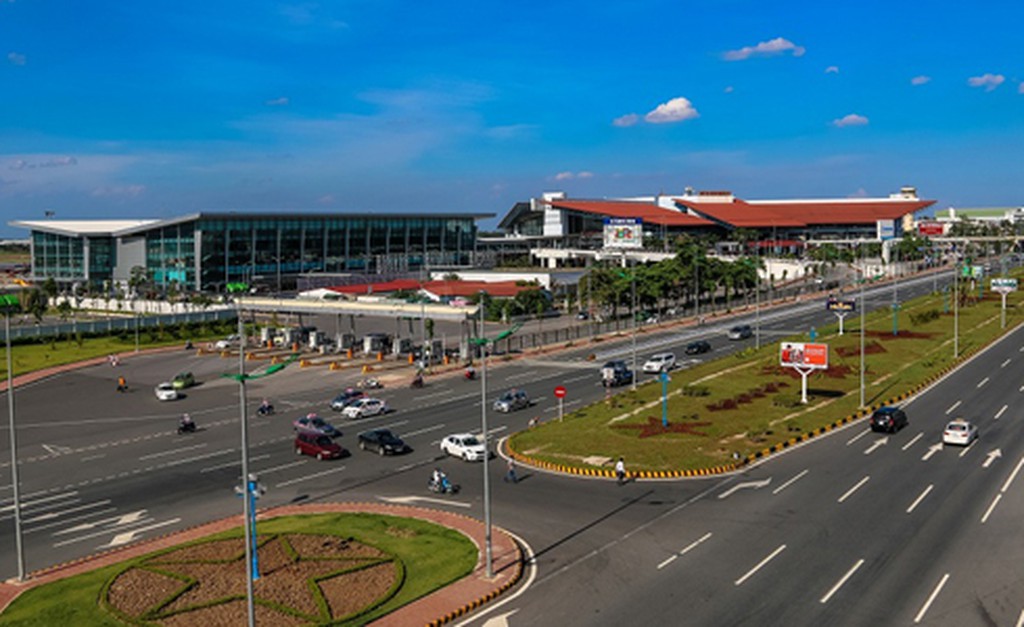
x=374, y=343
x=404, y=346
x=345, y=340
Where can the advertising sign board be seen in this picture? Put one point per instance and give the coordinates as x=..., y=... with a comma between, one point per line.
x=886, y=229
x=1004, y=285
x=834, y=304
x=623, y=233
x=930, y=229
x=804, y=355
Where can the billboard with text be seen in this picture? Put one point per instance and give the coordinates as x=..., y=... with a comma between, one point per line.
x=623, y=233
x=798, y=354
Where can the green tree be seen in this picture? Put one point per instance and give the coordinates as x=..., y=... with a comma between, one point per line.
x=34, y=302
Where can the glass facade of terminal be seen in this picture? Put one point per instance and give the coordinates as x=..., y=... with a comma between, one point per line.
x=210, y=250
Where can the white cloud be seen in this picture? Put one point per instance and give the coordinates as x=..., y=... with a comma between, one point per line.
x=1020, y=88
x=988, y=81
x=16, y=59
x=627, y=120
x=860, y=193
x=675, y=110
x=728, y=89
x=832, y=69
x=920, y=80
x=50, y=162
x=277, y=102
x=123, y=191
x=568, y=176
x=772, y=47
x=326, y=199
x=851, y=119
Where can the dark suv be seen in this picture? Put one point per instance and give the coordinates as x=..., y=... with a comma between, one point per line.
x=616, y=373
x=890, y=419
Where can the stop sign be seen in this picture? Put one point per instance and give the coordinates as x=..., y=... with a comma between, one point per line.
x=560, y=392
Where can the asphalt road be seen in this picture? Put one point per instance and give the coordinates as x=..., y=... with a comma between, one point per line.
x=780, y=543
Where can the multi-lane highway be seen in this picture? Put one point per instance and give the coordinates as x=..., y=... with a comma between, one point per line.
x=850, y=529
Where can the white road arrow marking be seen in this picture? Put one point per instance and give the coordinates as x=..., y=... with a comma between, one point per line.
x=991, y=457
x=121, y=520
x=128, y=536
x=501, y=620
x=934, y=448
x=879, y=442
x=749, y=484
x=53, y=449
x=406, y=500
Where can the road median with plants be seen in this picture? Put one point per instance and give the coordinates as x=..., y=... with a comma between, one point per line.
x=727, y=413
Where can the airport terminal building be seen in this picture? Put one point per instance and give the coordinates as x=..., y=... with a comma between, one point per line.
x=205, y=251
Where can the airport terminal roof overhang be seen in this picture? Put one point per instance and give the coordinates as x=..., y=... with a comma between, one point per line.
x=79, y=228
x=648, y=212
x=388, y=309
x=803, y=213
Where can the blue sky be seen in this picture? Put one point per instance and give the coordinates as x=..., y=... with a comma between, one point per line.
x=159, y=108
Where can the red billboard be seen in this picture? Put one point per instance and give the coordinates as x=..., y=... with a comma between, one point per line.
x=928, y=229
x=804, y=355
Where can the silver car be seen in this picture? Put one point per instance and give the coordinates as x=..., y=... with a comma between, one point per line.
x=512, y=400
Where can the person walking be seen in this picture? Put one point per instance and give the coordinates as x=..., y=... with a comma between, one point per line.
x=620, y=471
x=122, y=385
x=510, y=475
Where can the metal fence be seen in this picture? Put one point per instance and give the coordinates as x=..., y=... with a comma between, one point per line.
x=111, y=325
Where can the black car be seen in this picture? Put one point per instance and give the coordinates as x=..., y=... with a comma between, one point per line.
x=383, y=441
x=616, y=373
x=889, y=419
x=698, y=347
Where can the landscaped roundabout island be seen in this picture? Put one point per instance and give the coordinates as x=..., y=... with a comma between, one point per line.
x=319, y=569
x=728, y=412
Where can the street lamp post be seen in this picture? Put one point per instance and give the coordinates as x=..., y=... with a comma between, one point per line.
x=9, y=302
x=632, y=278
x=483, y=428
x=863, y=307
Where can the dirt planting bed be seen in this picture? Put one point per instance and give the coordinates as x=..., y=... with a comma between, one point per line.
x=304, y=580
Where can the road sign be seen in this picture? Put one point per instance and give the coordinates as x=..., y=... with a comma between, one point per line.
x=560, y=392
x=1009, y=285
x=834, y=304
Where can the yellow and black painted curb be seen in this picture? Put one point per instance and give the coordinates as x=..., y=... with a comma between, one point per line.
x=476, y=603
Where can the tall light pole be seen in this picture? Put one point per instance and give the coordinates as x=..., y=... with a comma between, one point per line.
x=632, y=278
x=483, y=429
x=8, y=302
x=247, y=512
x=757, y=298
x=863, y=307
x=956, y=309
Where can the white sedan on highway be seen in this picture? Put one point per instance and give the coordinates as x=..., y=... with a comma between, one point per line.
x=465, y=446
x=960, y=432
x=166, y=391
x=662, y=362
x=364, y=408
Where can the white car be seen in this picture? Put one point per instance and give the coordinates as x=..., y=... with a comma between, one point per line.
x=959, y=432
x=465, y=446
x=662, y=362
x=365, y=407
x=166, y=391
x=226, y=343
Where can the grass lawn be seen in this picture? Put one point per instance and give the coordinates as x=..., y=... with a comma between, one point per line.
x=28, y=357
x=433, y=556
x=745, y=403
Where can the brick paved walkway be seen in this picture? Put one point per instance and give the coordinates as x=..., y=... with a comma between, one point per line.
x=437, y=608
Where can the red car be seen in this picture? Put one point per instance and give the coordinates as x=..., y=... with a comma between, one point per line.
x=319, y=446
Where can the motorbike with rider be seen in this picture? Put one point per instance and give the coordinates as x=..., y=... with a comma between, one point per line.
x=440, y=484
x=186, y=425
x=265, y=408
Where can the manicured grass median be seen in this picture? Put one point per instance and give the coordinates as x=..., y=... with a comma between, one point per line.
x=432, y=556
x=724, y=410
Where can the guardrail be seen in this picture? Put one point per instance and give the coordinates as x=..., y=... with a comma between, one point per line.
x=110, y=325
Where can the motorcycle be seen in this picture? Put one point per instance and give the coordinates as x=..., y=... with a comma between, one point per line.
x=416, y=383
x=265, y=410
x=469, y=375
x=442, y=487
x=369, y=383
x=186, y=427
